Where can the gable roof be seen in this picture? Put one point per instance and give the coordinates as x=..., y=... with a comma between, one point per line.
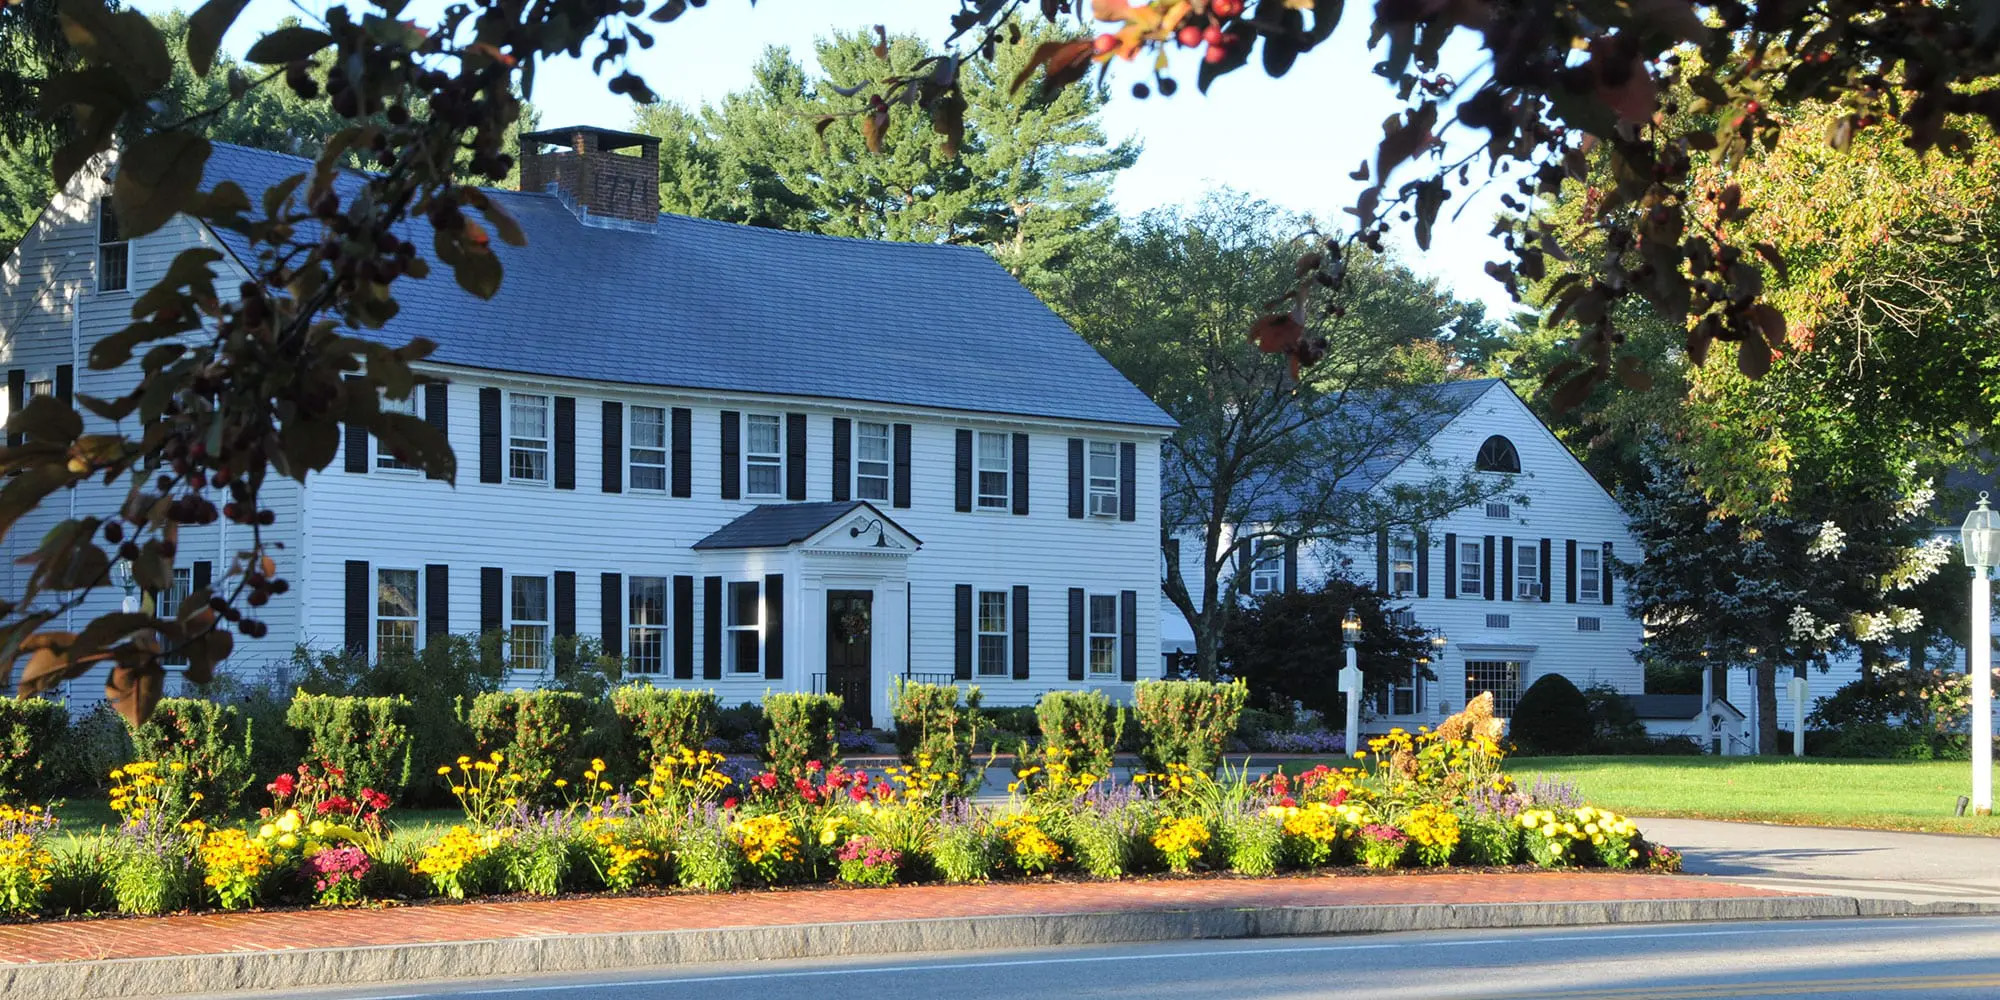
x=1434, y=406
x=695, y=304
x=776, y=525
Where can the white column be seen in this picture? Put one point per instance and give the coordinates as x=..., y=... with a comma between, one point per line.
x=1799, y=692
x=1350, y=683
x=1982, y=693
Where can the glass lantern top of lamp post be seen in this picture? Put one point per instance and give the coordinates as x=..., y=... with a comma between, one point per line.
x=1980, y=536
x=1350, y=626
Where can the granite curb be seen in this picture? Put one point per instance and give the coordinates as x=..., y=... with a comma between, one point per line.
x=361, y=966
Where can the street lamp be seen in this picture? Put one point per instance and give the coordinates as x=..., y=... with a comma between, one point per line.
x=1980, y=540
x=1350, y=678
x=121, y=571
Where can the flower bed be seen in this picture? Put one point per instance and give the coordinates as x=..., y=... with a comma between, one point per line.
x=1424, y=799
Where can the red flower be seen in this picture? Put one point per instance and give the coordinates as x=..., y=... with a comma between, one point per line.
x=282, y=786
x=1288, y=802
x=812, y=765
x=858, y=793
x=729, y=803
x=767, y=781
x=1339, y=796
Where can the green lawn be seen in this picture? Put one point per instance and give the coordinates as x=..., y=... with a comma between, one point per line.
x=1876, y=794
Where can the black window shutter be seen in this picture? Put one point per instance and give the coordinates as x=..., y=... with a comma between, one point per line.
x=204, y=572
x=1604, y=572
x=360, y=610
x=1076, y=633
x=683, y=452
x=902, y=493
x=1128, y=482
x=1020, y=633
x=565, y=602
x=795, y=456
x=354, y=450
x=66, y=383
x=1486, y=574
x=438, y=415
x=774, y=625
x=843, y=445
x=1291, y=565
x=614, y=447
x=732, y=455
x=1020, y=455
x=1382, y=560
x=437, y=600
x=1569, y=571
x=17, y=397
x=1128, y=635
x=1423, y=564
x=491, y=600
x=1450, y=564
x=1548, y=573
x=962, y=494
x=565, y=442
x=1507, y=568
x=489, y=435
x=961, y=663
x=1076, y=477
x=611, y=613
x=711, y=627
x=684, y=628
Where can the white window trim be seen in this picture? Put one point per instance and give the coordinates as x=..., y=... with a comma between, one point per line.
x=1593, y=573
x=1385, y=700
x=632, y=447
x=416, y=616
x=1476, y=566
x=1091, y=635
x=634, y=629
x=1396, y=566
x=382, y=460
x=97, y=241
x=547, y=623
x=774, y=460
x=888, y=462
x=1267, y=566
x=731, y=628
x=166, y=604
x=1096, y=486
x=1003, y=501
x=980, y=633
x=1527, y=586
x=548, y=448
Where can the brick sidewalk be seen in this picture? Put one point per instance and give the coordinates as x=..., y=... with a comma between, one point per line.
x=220, y=933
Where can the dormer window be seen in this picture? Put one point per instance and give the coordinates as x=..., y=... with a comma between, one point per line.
x=1498, y=455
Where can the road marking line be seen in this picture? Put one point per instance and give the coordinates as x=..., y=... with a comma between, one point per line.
x=1763, y=989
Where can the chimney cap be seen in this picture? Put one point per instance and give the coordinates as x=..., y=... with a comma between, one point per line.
x=600, y=138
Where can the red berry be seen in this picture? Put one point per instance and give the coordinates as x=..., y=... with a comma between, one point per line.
x=1215, y=53
x=1226, y=8
x=1105, y=43
x=1753, y=107
x=1189, y=36
x=1213, y=35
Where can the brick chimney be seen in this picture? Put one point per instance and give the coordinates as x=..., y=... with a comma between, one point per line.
x=596, y=175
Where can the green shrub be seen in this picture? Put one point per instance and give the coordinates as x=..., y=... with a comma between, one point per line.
x=658, y=721
x=148, y=883
x=437, y=681
x=1101, y=840
x=965, y=851
x=540, y=733
x=1552, y=717
x=932, y=722
x=1877, y=740
x=1014, y=719
x=705, y=859
x=801, y=728
x=97, y=742
x=212, y=740
x=1082, y=728
x=1186, y=722
x=743, y=726
x=1487, y=841
x=30, y=731
x=1252, y=842
x=368, y=738
x=582, y=667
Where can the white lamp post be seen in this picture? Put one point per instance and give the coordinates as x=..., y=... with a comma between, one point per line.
x=1350, y=679
x=121, y=571
x=1980, y=539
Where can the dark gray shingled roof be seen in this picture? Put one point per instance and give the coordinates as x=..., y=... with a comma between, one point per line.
x=776, y=525
x=694, y=304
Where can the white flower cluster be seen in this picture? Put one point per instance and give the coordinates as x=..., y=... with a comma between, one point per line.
x=1920, y=563
x=1915, y=502
x=1808, y=628
x=1881, y=627
x=1828, y=541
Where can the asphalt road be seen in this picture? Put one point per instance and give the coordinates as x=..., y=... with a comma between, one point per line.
x=1920, y=867
x=1956, y=958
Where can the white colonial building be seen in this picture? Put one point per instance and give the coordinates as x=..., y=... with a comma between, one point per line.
x=747, y=460
x=1521, y=586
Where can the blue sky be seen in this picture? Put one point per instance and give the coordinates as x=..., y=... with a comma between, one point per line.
x=1290, y=141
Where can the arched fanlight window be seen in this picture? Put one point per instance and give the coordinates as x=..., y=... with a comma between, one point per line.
x=1498, y=455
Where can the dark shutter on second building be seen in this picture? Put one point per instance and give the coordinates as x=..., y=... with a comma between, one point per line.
x=961, y=632
x=1569, y=571
x=565, y=602
x=565, y=442
x=437, y=600
x=843, y=456
x=491, y=583
x=1076, y=477
x=1076, y=635
x=611, y=613
x=1020, y=450
x=489, y=435
x=1128, y=482
x=961, y=493
x=354, y=444
x=684, y=628
x=204, y=571
x=774, y=627
x=1507, y=568
x=1486, y=574
x=711, y=627
x=1450, y=564
x=1548, y=571
x=683, y=452
x=1382, y=560
x=1020, y=639
x=66, y=383
x=1291, y=565
x=1128, y=635
x=732, y=455
x=1423, y=564
x=902, y=490
x=360, y=608
x=1604, y=573
x=614, y=446
x=17, y=397
x=437, y=413
x=795, y=456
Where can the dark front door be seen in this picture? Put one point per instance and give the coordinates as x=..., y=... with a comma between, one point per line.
x=849, y=640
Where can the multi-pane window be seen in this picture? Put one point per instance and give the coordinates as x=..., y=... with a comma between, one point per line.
x=1471, y=569
x=763, y=455
x=528, y=628
x=746, y=634
x=1502, y=677
x=1103, y=634
x=1102, y=478
x=1403, y=566
x=1267, y=565
x=407, y=406
x=395, y=612
x=646, y=623
x=994, y=470
x=649, y=447
x=527, y=438
x=169, y=604
x=1528, y=572
x=992, y=633
x=1589, y=573
x=114, y=253
x=1403, y=696
x=40, y=387
x=871, y=461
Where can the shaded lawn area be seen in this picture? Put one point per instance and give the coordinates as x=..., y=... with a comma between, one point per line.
x=83, y=817
x=1872, y=794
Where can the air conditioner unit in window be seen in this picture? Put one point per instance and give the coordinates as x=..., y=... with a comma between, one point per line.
x=1104, y=505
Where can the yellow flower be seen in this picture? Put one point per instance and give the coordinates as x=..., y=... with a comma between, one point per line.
x=562, y=782
x=267, y=831
x=446, y=769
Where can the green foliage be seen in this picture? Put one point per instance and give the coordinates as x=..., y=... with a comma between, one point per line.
x=147, y=883
x=1288, y=646
x=212, y=740
x=1552, y=717
x=96, y=742
x=933, y=722
x=1103, y=840
x=540, y=733
x=705, y=859
x=581, y=666
x=966, y=852
x=1080, y=727
x=1186, y=722
x=1487, y=841
x=743, y=726
x=801, y=729
x=437, y=681
x=30, y=731
x=368, y=738
x=1252, y=842
x=658, y=721
x=541, y=861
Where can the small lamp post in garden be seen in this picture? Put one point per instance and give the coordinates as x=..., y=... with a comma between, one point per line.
x=1350, y=679
x=1980, y=539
